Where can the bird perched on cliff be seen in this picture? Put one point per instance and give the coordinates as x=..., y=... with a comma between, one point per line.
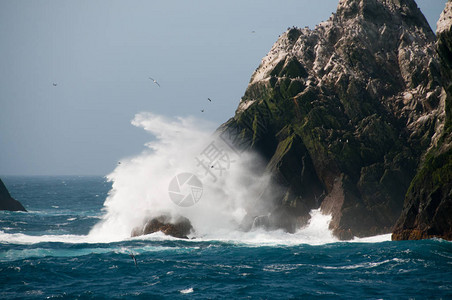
x=155, y=81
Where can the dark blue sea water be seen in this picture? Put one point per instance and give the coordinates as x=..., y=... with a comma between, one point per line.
x=45, y=253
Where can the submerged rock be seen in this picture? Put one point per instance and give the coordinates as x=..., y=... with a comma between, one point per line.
x=343, y=114
x=427, y=211
x=7, y=202
x=179, y=228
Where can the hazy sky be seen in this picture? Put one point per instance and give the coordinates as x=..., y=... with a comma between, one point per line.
x=101, y=54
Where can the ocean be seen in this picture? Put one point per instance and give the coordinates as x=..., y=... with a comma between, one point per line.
x=52, y=251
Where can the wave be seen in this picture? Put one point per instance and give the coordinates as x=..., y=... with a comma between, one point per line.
x=142, y=188
x=373, y=239
x=20, y=238
x=20, y=254
x=315, y=233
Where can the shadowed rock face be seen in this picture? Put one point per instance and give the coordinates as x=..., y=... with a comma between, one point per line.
x=179, y=228
x=427, y=211
x=7, y=202
x=342, y=114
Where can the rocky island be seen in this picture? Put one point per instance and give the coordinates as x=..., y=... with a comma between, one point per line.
x=351, y=117
x=7, y=202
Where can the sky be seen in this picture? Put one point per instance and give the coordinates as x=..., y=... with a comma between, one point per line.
x=73, y=74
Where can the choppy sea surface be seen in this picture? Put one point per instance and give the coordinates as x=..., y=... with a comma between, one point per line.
x=48, y=253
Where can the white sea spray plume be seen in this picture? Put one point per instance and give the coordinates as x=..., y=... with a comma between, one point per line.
x=140, y=184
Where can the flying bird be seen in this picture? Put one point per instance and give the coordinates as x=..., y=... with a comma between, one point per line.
x=202, y=110
x=134, y=259
x=155, y=81
x=54, y=84
x=210, y=100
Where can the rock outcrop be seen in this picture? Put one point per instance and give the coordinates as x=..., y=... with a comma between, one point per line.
x=179, y=228
x=427, y=210
x=342, y=114
x=7, y=202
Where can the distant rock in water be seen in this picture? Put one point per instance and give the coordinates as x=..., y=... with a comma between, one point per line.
x=343, y=115
x=427, y=211
x=7, y=202
x=180, y=228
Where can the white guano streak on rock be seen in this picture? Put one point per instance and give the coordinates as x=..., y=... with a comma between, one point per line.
x=244, y=105
x=276, y=54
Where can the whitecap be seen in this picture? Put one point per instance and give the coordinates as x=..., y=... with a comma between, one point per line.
x=187, y=291
x=365, y=265
x=373, y=239
x=280, y=267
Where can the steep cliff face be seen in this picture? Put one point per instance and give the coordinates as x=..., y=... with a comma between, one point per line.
x=7, y=202
x=427, y=210
x=342, y=114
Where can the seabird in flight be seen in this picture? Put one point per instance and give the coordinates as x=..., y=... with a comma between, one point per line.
x=134, y=259
x=155, y=81
x=202, y=110
x=54, y=84
x=210, y=100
